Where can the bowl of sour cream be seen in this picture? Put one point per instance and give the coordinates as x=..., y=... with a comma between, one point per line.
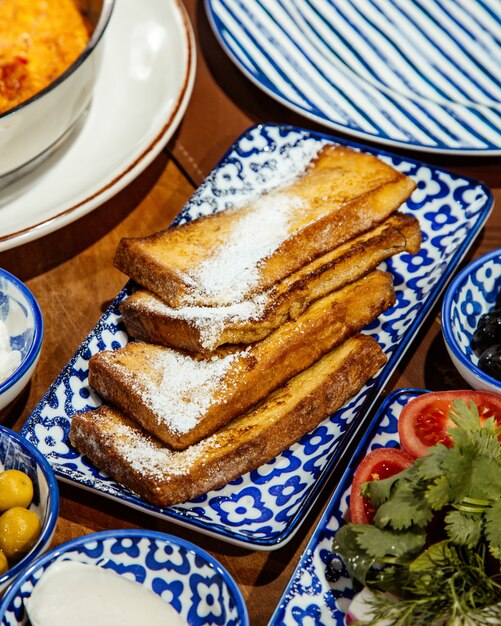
x=125, y=577
x=21, y=335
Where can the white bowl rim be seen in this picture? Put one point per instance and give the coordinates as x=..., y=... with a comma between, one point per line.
x=38, y=331
x=98, y=32
x=125, y=533
x=446, y=319
x=53, y=508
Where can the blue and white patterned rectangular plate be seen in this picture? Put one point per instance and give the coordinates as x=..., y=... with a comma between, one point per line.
x=320, y=590
x=420, y=75
x=265, y=507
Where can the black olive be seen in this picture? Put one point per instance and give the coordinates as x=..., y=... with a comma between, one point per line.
x=488, y=332
x=490, y=361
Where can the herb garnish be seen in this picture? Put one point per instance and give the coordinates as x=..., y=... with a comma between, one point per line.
x=435, y=544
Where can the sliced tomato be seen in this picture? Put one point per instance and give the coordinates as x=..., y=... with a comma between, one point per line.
x=378, y=464
x=425, y=421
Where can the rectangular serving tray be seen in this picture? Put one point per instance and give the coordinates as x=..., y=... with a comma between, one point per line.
x=264, y=508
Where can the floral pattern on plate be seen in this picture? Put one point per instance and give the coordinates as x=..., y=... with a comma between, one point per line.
x=265, y=507
x=188, y=578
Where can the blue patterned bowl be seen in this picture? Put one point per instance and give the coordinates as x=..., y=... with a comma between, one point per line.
x=192, y=581
x=16, y=452
x=471, y=294
x=21, y=315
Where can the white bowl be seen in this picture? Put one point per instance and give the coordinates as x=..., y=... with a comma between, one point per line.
x=471, y=294
x=16, y=452
x=192, y=581
x=32, y=130
x=20, y=313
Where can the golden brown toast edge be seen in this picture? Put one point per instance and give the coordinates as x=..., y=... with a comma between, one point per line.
x=147, y=318
x=325, y=234
x=164, y=477
x=116, y=375
x=162, y=262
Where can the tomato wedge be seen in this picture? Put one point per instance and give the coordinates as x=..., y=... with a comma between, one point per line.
x=424, y=420
x=378, y=464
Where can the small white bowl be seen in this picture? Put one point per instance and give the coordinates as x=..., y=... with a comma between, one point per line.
x=20, y=313
x=32, y=130
x=16, y=452
x=196, y=585
x=470, y=295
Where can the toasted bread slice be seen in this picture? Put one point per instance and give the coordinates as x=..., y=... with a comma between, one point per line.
x=203, y=329
x=163, y=477
x=234, y=254
x=181, y=399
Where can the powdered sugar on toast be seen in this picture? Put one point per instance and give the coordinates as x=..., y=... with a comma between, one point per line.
x=229, y=274
x=210, y=321
x=149, y=457
x=179, y=389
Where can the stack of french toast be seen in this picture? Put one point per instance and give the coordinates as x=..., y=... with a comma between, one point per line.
x=245, y=328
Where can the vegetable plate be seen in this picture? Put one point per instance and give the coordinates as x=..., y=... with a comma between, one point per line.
x=417, y=541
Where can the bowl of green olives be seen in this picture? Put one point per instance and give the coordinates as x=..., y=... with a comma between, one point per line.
x=29, y=505
x=471, y=322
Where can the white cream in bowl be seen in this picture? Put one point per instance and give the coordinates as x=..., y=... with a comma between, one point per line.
x=70, y=592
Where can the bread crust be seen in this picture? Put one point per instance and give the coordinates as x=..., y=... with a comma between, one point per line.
x=148, y=318
x=138, y=377
x=342, y=194
x=163, y=477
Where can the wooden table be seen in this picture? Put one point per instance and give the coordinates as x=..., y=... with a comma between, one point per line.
x=72, y=276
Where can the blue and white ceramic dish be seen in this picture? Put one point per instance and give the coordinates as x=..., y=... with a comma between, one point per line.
x=17, y=453
x=471, y=294
x=263, y=508
x=320, y=590
x=196, y=585
x=421, y=75
x=20, y=313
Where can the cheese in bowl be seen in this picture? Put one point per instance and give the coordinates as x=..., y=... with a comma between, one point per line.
x=38, y=41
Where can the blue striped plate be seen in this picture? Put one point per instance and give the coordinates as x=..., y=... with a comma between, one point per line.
x=422, y=75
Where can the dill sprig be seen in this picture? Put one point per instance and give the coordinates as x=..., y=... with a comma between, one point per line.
x=455, y=590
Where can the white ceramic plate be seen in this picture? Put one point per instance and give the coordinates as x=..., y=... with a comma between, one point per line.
x=423, y=75
x=141, y=94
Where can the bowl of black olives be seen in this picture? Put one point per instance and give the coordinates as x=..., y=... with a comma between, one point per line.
x=471, y=322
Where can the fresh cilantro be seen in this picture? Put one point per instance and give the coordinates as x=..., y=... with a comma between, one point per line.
x=360, y=546
x=470, y=431
x=386, y=545
x=405, y=508
x=466, y=477
x=356, y=561
x=437, y=493
x=470, y=474
x=458, y=491
x=429, y=466
x=493, y=529
x=378, y=491
x=463, y=528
